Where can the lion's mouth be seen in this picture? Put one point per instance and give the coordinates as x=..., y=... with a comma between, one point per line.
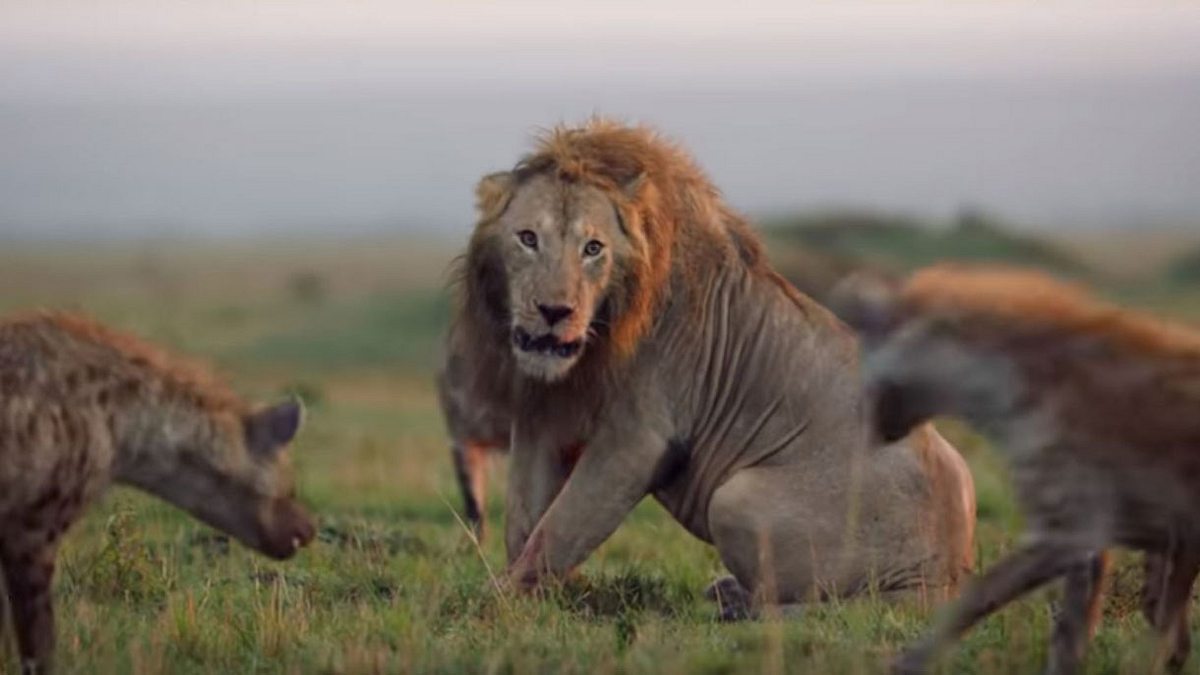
x=545, y=344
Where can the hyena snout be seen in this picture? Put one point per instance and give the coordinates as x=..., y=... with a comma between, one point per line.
x=287, y=529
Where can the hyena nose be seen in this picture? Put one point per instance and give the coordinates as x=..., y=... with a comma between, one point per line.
x=305, y=531
x=554, y=313
x=298, y=528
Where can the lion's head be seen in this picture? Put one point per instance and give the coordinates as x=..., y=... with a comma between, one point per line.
x=571, y=254
x=563, y=254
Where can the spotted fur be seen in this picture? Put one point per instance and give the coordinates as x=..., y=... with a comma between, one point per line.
x=83, y=406
x=1098, y=409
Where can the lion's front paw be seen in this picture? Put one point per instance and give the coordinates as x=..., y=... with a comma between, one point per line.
x=494, y=585
x=520, y=579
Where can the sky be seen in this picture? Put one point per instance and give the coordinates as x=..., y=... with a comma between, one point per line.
x=135, y=118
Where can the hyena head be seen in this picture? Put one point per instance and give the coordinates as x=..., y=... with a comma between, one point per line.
x=230, y=469
x=919, y=365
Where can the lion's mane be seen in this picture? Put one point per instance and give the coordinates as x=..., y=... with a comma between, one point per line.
x=673, y=215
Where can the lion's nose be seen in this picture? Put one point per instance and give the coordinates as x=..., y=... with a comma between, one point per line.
x=554, y=313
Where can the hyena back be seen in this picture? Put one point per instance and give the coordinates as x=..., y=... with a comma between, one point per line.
x=82, y=407
x=1097, y=408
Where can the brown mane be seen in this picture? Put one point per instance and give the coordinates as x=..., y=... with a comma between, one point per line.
x=1020, y=297
x=672, y=213
x=189, y=378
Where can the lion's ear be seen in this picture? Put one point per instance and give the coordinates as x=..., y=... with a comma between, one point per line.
x=493, y=193
x=631, y=186
x=869, y=303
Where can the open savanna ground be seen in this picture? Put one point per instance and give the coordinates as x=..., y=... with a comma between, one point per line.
x=393, y=582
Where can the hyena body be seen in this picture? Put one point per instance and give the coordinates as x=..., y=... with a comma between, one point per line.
x=82, y=407
x=478, y=431
x=477, y=407
x=479, y=415
x=1097, y=409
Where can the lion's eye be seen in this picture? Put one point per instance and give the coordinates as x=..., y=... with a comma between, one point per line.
x=592, y=249
x=528, y=238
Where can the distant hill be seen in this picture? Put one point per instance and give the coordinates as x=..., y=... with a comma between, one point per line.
x=900, y=243
x=813, y=272
x=1186, y=268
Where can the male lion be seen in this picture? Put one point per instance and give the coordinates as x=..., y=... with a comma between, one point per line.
x=479, y=427
x=611, y=293
x=1095, y=406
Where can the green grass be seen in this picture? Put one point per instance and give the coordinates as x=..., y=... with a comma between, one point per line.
x=393, y=583
x=1186, y=268
x=388, y=330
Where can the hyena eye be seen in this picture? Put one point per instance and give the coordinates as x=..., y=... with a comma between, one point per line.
x=592, y=249
x=528, y=239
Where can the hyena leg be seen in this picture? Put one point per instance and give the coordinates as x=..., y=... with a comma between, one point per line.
x=1019, y=573
x=28, y=572
x=1167, y=593
x=1079, y=613
x=478, y=456
x=5, y=621
x=1154, y=569
x=465, y=469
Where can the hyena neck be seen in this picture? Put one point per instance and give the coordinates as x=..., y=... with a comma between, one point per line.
x=158, y=443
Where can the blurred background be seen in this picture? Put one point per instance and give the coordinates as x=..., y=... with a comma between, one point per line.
x=320, y=152
x=149, y=118
x=280, y=188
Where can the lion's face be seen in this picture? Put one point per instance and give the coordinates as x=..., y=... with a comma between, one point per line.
x=562, y=247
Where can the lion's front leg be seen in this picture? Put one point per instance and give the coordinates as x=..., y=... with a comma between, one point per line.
x=614, y=473
x=535, y=477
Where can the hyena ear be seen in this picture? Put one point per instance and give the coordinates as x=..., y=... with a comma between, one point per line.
x=272, y=428
x=868, y=302
x=493, y=193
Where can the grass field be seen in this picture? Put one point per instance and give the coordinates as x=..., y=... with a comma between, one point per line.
x=393, y=583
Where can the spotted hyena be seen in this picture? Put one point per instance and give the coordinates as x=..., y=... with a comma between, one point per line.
x=477, y=407
x=81, y=407
x=478, y=431
x=1097, y=408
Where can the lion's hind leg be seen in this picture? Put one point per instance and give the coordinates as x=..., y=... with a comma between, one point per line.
x=771, y=541
x=734, y=602
x=790, y=539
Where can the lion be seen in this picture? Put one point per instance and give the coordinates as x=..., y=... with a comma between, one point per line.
x=609, y=292
x=478, y=428
x=1096, y=409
